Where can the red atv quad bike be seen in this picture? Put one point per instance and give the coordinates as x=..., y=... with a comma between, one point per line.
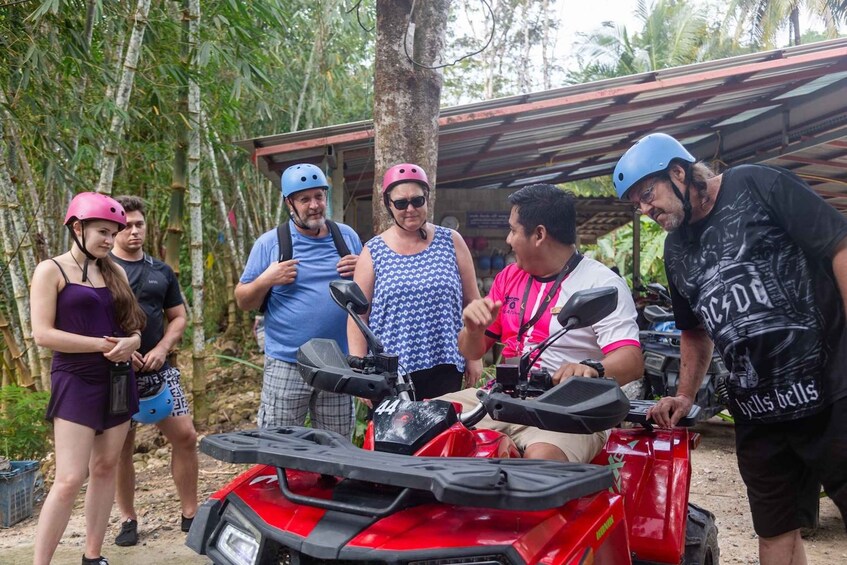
x=429, y=489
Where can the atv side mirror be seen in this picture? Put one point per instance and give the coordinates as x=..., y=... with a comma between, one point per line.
x=350, y=297
x=346, y=293
x=587, y=307
x=659, y=288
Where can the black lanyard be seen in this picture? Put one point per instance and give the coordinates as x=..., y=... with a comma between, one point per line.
x=569, y=266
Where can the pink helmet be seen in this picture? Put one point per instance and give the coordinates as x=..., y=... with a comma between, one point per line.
x=95, y=206
x=404, y=172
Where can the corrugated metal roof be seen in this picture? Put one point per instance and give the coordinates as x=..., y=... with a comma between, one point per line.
x=786, y=107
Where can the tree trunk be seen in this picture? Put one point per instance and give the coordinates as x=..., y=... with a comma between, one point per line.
x=406, y=96
x=15, y=356
x=173, y=240
x=304, y=87
x=244, y=228
x=794, y=24
x=17, y=247
x=7, y=124
x=525, y=67
x=545, y=43
x=195, y=211
x=110, y=150
x=218, y=198
x=9, y=137
x=9, y=208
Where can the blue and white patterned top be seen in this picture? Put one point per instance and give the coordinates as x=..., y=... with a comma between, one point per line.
x=417, y=303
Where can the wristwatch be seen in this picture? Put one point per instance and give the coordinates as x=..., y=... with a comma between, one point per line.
x=596, y=365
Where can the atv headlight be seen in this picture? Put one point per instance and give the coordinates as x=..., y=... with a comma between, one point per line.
x=238, y=540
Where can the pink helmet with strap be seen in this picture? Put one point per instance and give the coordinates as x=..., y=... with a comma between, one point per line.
x=404, y=172
x=95, y=206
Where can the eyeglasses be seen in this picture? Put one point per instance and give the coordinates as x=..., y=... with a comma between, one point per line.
x=403, y=203
x=646, y=196
x=307, y=198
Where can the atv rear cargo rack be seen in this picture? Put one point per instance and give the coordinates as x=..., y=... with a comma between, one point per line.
x=505, y=484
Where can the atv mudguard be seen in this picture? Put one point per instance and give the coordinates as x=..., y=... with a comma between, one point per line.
x=652, y=471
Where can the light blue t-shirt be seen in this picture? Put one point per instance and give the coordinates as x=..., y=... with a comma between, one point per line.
x=299, y=311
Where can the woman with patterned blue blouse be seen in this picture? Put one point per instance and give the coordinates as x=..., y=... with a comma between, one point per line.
x=418, y=278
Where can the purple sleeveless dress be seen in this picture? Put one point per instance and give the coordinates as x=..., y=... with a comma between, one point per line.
x=80, y=381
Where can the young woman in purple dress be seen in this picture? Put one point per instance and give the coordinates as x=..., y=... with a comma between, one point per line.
x=84, y=310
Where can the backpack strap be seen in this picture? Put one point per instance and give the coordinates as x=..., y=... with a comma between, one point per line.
x=286, y=252
x=338, y=239
x=283, y=238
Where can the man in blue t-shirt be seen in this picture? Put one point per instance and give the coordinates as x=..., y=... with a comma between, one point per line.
x=757, y=266
x=299, y=307
x=156, y=287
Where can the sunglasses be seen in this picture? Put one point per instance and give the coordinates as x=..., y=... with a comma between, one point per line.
x=403, y=203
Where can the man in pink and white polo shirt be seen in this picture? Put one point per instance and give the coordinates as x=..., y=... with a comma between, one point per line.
x=520, y=312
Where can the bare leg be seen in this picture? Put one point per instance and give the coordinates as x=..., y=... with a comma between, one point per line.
x=180, y=432
x=100, y=495
x=785, y=549
x=73, y=445
x=125, y=491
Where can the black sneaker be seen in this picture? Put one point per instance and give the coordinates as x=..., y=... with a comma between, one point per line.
x=185, y=525
x=128, y=535
x=96, y=561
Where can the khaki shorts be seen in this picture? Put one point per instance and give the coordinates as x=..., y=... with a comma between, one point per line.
x=579, y=448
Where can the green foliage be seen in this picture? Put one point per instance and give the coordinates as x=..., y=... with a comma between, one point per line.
x=615, y=248
x=519, y=57
x=24, y=433
x=361, y=424
x=239, y=360
x=759, y=23
x=673, y=33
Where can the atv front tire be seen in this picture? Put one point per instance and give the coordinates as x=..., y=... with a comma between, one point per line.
x=701, y=537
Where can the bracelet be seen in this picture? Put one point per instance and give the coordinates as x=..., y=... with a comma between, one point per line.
x=136, y=332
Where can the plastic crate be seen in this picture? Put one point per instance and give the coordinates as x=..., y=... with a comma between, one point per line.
x=16, y=492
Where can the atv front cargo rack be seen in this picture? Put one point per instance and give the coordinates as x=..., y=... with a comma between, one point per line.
x=505, y=484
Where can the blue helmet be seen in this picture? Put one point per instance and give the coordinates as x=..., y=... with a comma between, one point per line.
x=155, y=407
x=302, y=177
x=651, y=154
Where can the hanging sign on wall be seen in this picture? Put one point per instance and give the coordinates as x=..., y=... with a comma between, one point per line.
x=488, y=220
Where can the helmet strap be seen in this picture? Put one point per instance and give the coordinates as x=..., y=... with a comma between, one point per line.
x=421, y=230
x=295, y=217
x=686, y=202
x=81, y=245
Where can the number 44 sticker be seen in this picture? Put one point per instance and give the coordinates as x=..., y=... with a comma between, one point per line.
x=388, y=407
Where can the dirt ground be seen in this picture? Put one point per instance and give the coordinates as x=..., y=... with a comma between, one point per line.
x=716, y=486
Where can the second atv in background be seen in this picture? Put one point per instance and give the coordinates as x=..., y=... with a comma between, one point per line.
x=660, y=343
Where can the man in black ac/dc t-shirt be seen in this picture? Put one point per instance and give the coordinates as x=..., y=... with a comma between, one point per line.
x=757, y=266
